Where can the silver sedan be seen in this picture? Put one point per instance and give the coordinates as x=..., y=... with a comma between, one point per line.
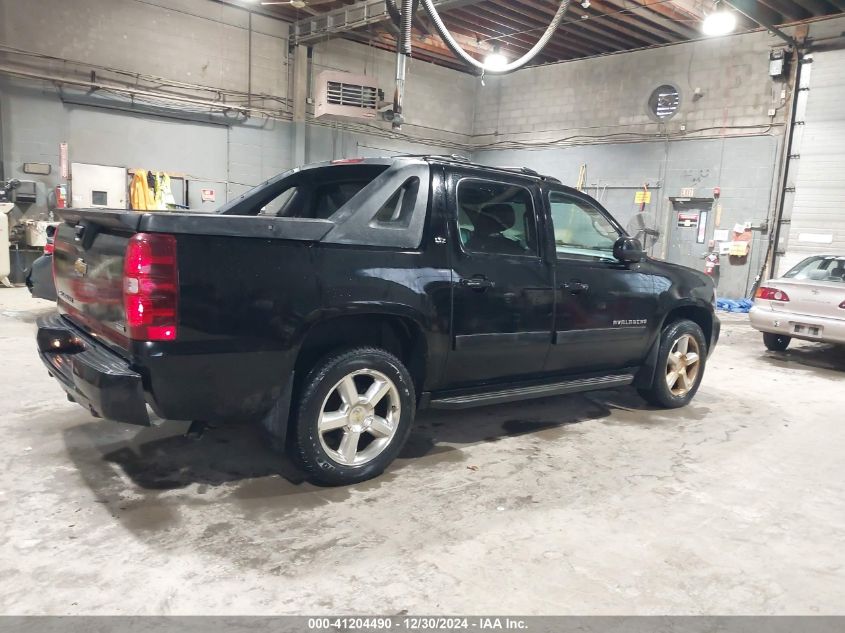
x=807, y=303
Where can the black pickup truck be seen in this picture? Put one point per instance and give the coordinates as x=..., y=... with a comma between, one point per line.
x=333, y=301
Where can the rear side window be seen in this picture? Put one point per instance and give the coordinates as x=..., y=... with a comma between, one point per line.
x=496, y=218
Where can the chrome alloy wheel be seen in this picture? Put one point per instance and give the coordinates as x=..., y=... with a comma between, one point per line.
x=682, y=365
x=359, y=417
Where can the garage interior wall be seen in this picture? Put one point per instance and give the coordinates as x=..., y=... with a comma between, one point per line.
x=594, y=113
x=201, y=43
x=555, y=118
x=560, y=117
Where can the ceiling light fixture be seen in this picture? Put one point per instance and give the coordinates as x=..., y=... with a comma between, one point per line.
x=495, y=60
x=719, y=22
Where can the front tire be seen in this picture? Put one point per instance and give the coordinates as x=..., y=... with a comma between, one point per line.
x=776, y=342
x=680, y=365
x=355, y=413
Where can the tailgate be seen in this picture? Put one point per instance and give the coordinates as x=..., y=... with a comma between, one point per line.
x=88, y=269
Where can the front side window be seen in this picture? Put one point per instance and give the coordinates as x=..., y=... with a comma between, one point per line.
x=496, y=218
x=581, y=231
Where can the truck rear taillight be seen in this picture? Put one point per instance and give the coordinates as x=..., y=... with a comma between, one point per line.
x=771, y=294
x=151, y=287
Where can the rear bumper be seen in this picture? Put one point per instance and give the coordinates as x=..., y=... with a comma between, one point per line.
x=830, y=330
x=92, y=375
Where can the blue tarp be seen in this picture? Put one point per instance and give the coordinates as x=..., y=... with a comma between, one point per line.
x=734, y=305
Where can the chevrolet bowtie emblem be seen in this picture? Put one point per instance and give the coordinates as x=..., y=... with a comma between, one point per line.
x=80, y=267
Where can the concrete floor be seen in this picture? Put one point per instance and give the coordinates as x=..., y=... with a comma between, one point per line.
x=582, y=504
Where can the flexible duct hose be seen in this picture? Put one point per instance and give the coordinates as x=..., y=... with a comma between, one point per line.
x=394, y=13
x=471, y=61
x=405, y=27
x=403, y=19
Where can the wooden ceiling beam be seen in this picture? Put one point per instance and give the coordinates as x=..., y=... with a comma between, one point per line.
x=816, y=7
x=587, y=32
x=607, y=28
x=790, y=11
x=647, y=16
x=577, y=45
x=757, y=11
x=422, y=52
x=478, y=26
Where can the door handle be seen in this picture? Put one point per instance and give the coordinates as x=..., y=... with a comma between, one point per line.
x=477, y=283
x=575, y=287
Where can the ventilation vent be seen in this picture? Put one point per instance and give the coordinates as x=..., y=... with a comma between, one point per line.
x=346, y=95
x=351, y=95
x=664, y=102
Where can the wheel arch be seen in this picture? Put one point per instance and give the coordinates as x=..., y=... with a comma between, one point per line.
x=394, y=331
x=699, y=314
x=397, y=331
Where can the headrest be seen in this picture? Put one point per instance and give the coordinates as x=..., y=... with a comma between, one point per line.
x=494, y=218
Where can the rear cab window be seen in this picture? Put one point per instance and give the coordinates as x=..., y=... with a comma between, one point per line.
x=364, y=202
x=819, y=268
x=315, y=193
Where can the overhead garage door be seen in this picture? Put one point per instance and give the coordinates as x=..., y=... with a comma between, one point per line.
x=818, y=210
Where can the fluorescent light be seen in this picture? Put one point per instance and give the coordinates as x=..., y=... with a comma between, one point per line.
x=495, y=60
x=720, y=22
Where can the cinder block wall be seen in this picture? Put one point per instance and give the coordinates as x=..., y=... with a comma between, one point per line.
x=194, y=41
x=205, y=44
x=553, y=118
x=440, y=102
x=593, y=113
x=608, y=95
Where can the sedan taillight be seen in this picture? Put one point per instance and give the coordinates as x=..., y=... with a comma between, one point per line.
x=771, y=294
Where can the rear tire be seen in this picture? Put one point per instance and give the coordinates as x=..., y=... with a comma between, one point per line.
x=354, y=415
x=680, y=365
x=776, y=342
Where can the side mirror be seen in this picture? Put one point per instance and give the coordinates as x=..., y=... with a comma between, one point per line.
x=628, y=250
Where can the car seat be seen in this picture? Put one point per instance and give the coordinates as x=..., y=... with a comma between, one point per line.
x=490, y=222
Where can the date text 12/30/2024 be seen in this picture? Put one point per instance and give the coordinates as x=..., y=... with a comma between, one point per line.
x=410, y=623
